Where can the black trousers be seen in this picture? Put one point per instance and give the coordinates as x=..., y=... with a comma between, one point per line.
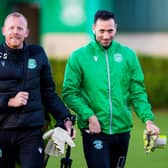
x=105, y=151
x=23, y=145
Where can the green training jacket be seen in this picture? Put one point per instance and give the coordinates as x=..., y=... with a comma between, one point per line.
x=106, y=83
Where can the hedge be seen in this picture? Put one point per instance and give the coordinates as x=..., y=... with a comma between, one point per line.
x=156, y=78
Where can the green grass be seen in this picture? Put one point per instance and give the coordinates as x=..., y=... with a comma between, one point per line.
x=136, y=155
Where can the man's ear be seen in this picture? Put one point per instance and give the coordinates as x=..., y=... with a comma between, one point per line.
x=3, y=31
x=93, y=29
x=26, y=33
x=116, y=26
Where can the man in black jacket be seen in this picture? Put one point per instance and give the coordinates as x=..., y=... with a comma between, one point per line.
x=26, y=89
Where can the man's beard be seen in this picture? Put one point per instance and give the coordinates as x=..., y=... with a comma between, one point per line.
x=106, y=47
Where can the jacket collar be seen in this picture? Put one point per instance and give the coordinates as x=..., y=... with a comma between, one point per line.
x=11, y=53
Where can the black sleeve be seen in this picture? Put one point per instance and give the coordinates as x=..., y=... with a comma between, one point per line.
x=50, y=98
x=3, y=103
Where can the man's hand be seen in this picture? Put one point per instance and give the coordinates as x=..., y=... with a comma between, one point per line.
x=19, y=100
x=69, y=127
x=94, y=125
x=151, y=128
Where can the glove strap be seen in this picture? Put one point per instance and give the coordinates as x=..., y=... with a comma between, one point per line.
x=61, y=123
x=71, y=118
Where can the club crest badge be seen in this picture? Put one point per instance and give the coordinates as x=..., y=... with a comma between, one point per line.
x=98, y=144
x=32, y=64
x=118, y=57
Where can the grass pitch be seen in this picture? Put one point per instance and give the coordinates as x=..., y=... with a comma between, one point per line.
x=136, y=155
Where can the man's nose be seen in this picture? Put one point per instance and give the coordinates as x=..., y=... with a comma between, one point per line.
x=106, y=35
x=15, y=30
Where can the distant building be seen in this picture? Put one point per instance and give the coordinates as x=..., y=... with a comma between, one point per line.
x=63, y=25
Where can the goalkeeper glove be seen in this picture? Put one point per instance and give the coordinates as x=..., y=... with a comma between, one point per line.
x=152, y=142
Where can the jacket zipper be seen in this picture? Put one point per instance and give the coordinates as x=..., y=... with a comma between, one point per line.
x=25, y=55
x=109, y=90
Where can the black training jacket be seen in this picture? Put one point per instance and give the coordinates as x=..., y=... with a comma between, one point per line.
x=28, y=70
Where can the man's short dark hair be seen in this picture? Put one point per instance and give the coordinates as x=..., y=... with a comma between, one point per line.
x=103, y=15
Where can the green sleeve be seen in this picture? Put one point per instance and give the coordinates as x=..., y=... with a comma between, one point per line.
x=72, y=87
x=138, y=94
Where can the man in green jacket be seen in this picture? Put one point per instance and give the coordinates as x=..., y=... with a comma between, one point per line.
x=103, y=81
